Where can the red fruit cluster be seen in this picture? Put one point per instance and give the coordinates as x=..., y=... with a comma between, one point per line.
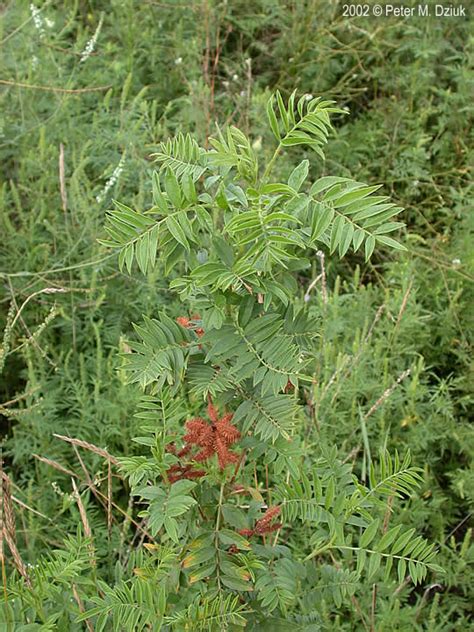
x=213, y=438
x=187, y=323
x=265, y=524
x=177, y=471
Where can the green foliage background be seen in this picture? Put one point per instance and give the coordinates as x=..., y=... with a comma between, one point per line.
x=161, y=68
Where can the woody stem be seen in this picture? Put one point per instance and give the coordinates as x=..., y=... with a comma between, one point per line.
x=219, y=506
x=216, y=531
x=237, y=467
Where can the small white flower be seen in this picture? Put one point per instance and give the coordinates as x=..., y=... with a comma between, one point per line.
x=456, y=262
x=57, y=490
x=235, y=77
x=308, y=97
x=178, y=61
x=257, y=144
x=416, y=183
x=243, y=93
x=49, y=23
x=37, y=20
x=34, y=61
x=225, y=84
x=112, y=180
x=90, y=46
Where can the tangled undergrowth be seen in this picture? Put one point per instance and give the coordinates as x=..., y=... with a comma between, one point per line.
x=91, y=93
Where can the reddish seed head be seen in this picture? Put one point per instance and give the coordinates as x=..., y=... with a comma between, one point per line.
x=186, y=322
x=213, y=438
x=271, y=512
x=183, y=321
x=239, y=489
x=247, y=533
x=183, y=451
x=264, y=524
x=199, y=330
x=179, y=472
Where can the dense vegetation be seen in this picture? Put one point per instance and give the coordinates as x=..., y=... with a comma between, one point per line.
x=89, y=92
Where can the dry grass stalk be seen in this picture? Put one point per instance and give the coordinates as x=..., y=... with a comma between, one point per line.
x=8, y=512
x=78, y=599
x=89, y=480
x=5, y=348
x=311, y=286
x=352, y=361
x=372, y=608
x=84, y=520
x=2, y=556
x=18, y=398
x=28, y=508
x=321, y=277
x=357, y=356
x=46, y=290
x=107, y=501
x=348, y=362
x=32, y=337
x=324, y=292
x=403, y=305
x=359, y=612
x=386, y=394
x=8, y=529
x=82, y=510
x=109, y=497
x=88, y=446
x=62, y=177
x=127, y=517
x=91, y=484
x=19, y=84
x=55, y=464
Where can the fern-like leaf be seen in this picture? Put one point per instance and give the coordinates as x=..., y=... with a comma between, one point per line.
x=306, y=124
x=132, y=606
x=205, y=614
x=392, y=477
x=257, y=353
x=335, y=584
x=276, y=587
x=411, y=554
x=135, y=234
x=183, y=156
x=160, y=356
x=344, y=213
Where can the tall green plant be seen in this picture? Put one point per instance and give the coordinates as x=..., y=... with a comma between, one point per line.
x=234, y=493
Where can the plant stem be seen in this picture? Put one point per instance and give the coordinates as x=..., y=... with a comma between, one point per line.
x=216, y=532
x=271, y=163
